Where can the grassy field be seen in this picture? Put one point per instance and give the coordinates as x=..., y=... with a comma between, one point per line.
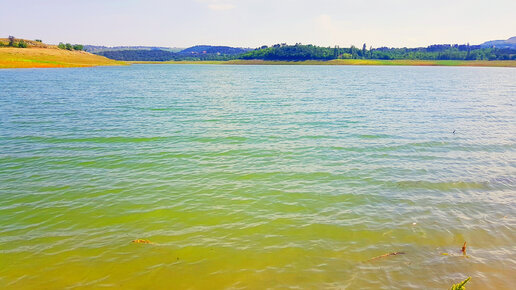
x=50, y=56
x=508, y=63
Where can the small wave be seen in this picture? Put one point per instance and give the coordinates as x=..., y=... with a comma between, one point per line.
x=113, y=139
x=373, y=136
x=441, y=186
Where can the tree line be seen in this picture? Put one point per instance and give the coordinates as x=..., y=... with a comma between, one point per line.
x=69, y=46
x=301, y=52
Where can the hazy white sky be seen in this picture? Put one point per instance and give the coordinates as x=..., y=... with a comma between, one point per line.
x=252, y=23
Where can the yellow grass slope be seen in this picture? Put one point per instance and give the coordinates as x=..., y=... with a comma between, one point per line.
x=45, y=56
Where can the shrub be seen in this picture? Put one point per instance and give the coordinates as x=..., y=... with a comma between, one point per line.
x=22, y=44
x=61, y=45
x=346, y=56
x=68, y=46
x=38, y=40
x=78, y=47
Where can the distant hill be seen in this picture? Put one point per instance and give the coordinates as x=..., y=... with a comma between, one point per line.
x=208, y=49
x=97, y=48
x=138, y=53
x=509, y=43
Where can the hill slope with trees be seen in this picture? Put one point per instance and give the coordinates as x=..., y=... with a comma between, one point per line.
x=23, y=53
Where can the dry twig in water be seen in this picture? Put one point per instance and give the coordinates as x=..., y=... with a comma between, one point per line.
x=386, y=255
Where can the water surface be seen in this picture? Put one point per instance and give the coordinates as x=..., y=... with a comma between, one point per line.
x=257, y=177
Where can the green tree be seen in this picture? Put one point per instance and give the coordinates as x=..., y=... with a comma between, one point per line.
x=78, y=47
x=346, y=56
x=11, y=40
x=68, y=46
x=353, y=51
x=22, y=44
x=61, y=45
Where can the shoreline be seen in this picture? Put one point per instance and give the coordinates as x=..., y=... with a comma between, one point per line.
x=399, y=62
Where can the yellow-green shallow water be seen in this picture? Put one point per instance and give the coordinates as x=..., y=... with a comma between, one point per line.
x=253, y=177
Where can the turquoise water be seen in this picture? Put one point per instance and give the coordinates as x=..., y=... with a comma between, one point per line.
x=257, y=176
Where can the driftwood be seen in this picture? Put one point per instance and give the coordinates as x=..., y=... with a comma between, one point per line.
x=386, y=255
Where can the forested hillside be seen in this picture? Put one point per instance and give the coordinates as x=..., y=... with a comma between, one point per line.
x=300, y=52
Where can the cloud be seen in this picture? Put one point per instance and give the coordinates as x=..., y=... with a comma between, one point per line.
x=218, y=5
x=325, y=22
x=331, y=30
x=221, y=6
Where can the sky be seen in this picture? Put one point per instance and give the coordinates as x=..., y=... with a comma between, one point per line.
x=253, y=23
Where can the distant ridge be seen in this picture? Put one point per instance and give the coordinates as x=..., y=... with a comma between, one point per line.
x=208, y=49
x=509, y=43
x=100, y=48
x=143, y=53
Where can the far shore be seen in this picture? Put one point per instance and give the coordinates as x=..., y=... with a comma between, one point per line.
x=400, y=62
x=52, y=57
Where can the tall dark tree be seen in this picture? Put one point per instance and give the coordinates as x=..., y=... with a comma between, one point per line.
x=353, y=51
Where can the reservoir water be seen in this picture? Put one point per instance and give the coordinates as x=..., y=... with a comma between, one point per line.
x=257, y=177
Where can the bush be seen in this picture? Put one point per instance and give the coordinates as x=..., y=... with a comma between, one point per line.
x=346, y=56
x=68, y=46
x=61, y=45
x=38, y=40
x=78, y=47
x=22, y=44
